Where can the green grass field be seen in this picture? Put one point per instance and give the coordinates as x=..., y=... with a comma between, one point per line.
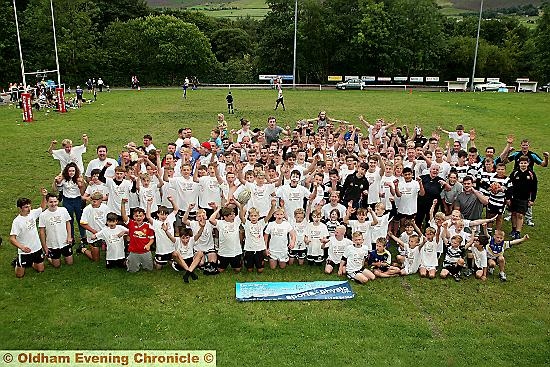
x=400, y=321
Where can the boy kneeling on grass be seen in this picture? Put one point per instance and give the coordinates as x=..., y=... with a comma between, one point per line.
x=380, y=260
x=353, y=261
x=141, y=239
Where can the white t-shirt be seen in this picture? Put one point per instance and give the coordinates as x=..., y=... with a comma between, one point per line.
x=260, y=197
x=380, y=229
x=97, y=163
x=150, y=192
x=409, y=194
x=186, y=251
x=117, y=193
x=95, y=218
x=293, y=197
x=327, y=208
x=115, y=243
x=355, y=258
x=279, y=236
x=100, y=187
x=429, y=255
x=24, y=228
x=209, y=191
x=480, y=257
x=75, y=156
x=300, y=229
x=462, y=139
x=364, y=228
x=254, y=235
x=412, y=259
x=163, y=242
x=187, y=191
x=230, y=242
x=55, y=224
x=388, y=197
x=205, y=243
x=70, y=189
x=315, y=233
x=336, y=248
x=374, y=185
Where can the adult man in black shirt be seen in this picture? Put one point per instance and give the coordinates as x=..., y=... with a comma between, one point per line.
x=433, y=186
x=356, y=188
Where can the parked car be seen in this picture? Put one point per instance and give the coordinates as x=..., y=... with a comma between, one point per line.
x=545, y=87
x=489, y=86
x=351, y=84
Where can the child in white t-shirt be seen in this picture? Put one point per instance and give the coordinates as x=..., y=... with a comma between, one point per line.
x=315, y=237
x=336, y=247
x=113, y=235
x=279, y=237
x=353, y=261
x=254, y=245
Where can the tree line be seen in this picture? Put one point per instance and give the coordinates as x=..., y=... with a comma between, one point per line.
x=116, y=39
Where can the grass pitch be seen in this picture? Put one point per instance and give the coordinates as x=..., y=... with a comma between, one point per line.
x=399, y=321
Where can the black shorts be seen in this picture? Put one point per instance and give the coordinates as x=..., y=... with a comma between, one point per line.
x=452, y=268
x=55, y=253
x=493, y=209
x=236, y=262
x=27, y=260
x=297, y=254
x=163, y=259
x=519, y=206
x=119, y=263
x=254, y=259
x=333, y=264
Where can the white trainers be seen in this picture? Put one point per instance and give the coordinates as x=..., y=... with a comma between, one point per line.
x=502, y=276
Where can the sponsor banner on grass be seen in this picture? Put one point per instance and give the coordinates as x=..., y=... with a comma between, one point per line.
x=431, y=79
x=293, y=291
x=61, y=99
x=107, y=358
x=368, y=78
x=400, y=78
x=417, y=79
x=335, y=78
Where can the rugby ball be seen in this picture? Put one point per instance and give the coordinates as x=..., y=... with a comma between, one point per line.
x=495, y=187
x=244, y=196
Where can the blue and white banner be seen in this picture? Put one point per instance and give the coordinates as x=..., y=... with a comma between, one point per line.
x=293, y=291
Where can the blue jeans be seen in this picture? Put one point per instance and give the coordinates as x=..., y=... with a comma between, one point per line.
x=74, y=207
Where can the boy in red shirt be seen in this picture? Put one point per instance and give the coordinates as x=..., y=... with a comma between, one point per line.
x=141, y=239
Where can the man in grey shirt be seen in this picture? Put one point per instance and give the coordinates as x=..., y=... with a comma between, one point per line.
x=272, y=131
x=470, y=202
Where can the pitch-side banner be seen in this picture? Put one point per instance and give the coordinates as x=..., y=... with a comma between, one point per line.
x=27, y=106
x=293, y=291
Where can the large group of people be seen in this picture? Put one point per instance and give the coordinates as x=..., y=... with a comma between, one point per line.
x=366, y=201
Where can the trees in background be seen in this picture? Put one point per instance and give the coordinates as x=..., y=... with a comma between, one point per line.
x=117, y=39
